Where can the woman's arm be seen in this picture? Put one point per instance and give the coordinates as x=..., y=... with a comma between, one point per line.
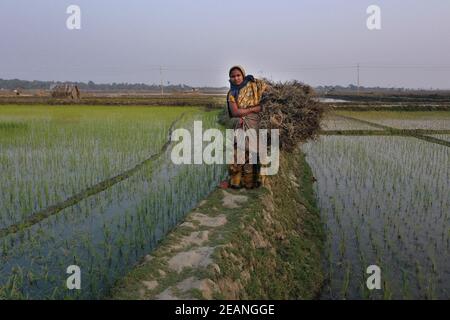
x=239, y=113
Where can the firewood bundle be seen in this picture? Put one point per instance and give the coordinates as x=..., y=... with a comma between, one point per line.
x=294, y=109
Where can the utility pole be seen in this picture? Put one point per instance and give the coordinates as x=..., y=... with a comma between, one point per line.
x=161, y=77
x=357, y=71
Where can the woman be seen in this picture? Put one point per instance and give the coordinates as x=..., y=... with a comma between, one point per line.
x=243, y=100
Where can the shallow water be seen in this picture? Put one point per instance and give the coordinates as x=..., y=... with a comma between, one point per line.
x=104, y=234
x=385, y=202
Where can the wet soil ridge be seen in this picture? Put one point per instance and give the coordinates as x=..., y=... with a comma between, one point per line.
x=264, y=243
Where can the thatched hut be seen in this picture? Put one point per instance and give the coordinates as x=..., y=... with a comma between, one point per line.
x=66, y=91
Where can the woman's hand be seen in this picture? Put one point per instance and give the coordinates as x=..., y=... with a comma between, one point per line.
x=236, y=112
x=257, y=108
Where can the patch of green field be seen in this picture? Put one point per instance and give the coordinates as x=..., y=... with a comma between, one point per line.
x=385, y=202
x=404, y=119
x=445, y=137
x=66, y=149
x=400, y=115
x=333, y=122
x=63, y=150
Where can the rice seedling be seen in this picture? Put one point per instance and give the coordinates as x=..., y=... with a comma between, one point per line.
x=438, y=120
x=445, y=137
x=106, y=232
x=332, y=122
x=390, y=193
x=103, y=142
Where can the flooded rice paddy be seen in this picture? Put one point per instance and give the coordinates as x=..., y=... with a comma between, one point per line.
x=54, y=152
x=385, y=201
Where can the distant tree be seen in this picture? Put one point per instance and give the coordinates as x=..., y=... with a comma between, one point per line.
x=91, y=85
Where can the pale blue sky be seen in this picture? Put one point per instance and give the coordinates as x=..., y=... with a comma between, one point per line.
x=197, y=40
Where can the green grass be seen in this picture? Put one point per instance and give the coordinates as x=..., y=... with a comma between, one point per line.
x=388, y=195
x=400, y=115
x=68, y=148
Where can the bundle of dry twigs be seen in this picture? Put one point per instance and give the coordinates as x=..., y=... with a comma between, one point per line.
x=294, y=109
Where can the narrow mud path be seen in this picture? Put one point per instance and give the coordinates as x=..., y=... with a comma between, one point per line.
x=263, y=243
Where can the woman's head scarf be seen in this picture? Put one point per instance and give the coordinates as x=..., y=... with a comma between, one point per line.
x=234, y=89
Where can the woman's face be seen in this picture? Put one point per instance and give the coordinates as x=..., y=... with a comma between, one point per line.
x=236, y=77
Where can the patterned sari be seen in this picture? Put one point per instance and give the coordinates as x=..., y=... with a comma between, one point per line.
x=246, y=95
